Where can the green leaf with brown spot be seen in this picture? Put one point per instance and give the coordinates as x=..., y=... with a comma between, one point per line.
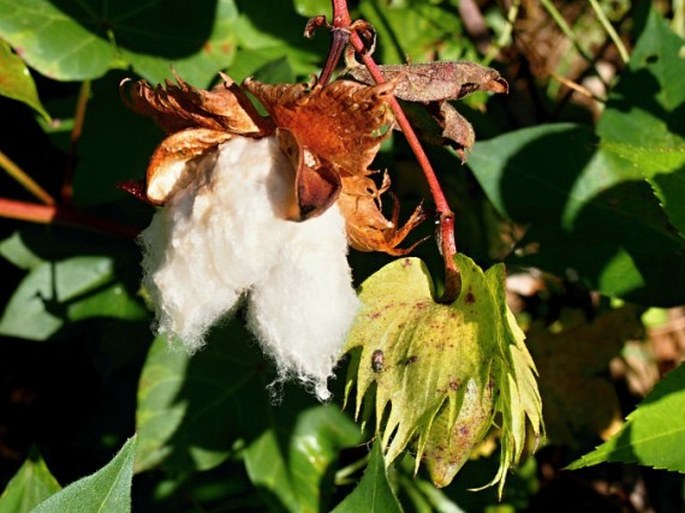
x=436, y=374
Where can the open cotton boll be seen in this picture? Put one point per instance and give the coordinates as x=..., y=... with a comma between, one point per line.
x=217, y=237
x=226, y=234
x=302, y=310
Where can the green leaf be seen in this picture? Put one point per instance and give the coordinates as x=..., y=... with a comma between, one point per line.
x=588, y=210
x=645, y=108
x=653, y=434
x=418, y=31
x=644, y=120
x=16, y=81
x=192, y=409
x=437, y=373
x=78, y=41
x=373, y=493
x=583, y=197
x=293, y=468
x=311, y=8
x=31, y=485
x=14, y=250
x=106, y=491
x=268, y=27
x=60, y=289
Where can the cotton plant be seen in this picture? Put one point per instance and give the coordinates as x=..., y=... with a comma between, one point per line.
x=260, y=210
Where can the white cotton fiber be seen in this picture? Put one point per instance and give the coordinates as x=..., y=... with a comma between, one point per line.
x=225, y=235
x=303, y=309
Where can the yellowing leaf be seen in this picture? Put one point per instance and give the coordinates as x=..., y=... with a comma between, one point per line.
x=438, y=373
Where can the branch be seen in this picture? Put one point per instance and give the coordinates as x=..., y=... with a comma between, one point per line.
x=47, y=214
x=445, y=232
x=25, y=180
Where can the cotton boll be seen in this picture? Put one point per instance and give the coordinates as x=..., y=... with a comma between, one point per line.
x=302, y=310
x=226, y=234
x=217, y=237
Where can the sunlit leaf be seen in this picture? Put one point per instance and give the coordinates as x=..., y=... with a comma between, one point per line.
x=420, y=31
x=652, y=434
x=106, y=491
x=294, y=469
x=78, y=41
x=16, y=81
x=644, y=119
x=311, y=8
x=31, y=485
x=60, y=288
x=437, y=373
x=589, y=211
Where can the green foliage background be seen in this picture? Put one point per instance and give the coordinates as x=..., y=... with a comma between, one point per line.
x=602, y=202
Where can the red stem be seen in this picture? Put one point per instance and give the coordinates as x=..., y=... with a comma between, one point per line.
x=446, y=237
x=47, y=214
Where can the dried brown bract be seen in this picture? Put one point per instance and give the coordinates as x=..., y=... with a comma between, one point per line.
x=179, y=106
x=330, y=134
x=367, y=228
x=342, y=123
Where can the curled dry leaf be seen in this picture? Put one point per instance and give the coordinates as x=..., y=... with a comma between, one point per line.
x=436, y=81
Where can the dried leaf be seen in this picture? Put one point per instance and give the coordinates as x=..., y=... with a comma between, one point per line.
x=367, y=228
x=440, y=124
x=317, y=185
x=173, y=164
x=180, y=106
x=340, y=123
x=436, y=81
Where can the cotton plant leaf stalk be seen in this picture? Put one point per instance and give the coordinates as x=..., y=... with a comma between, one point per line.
x=439, y=375
x=225, y=236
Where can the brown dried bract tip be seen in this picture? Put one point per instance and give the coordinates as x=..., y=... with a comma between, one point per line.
x=367, y=228
x=179, y=106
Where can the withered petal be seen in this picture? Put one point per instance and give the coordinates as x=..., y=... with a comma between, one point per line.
x=172, y=165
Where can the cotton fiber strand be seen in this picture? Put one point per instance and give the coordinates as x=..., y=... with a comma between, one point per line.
x=225, y=235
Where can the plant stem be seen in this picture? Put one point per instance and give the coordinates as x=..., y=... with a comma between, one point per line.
x=446, y=237
x=67, y=190
x=610, y=30
x=46, y=214
x=568, y=32
x=25, y=180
